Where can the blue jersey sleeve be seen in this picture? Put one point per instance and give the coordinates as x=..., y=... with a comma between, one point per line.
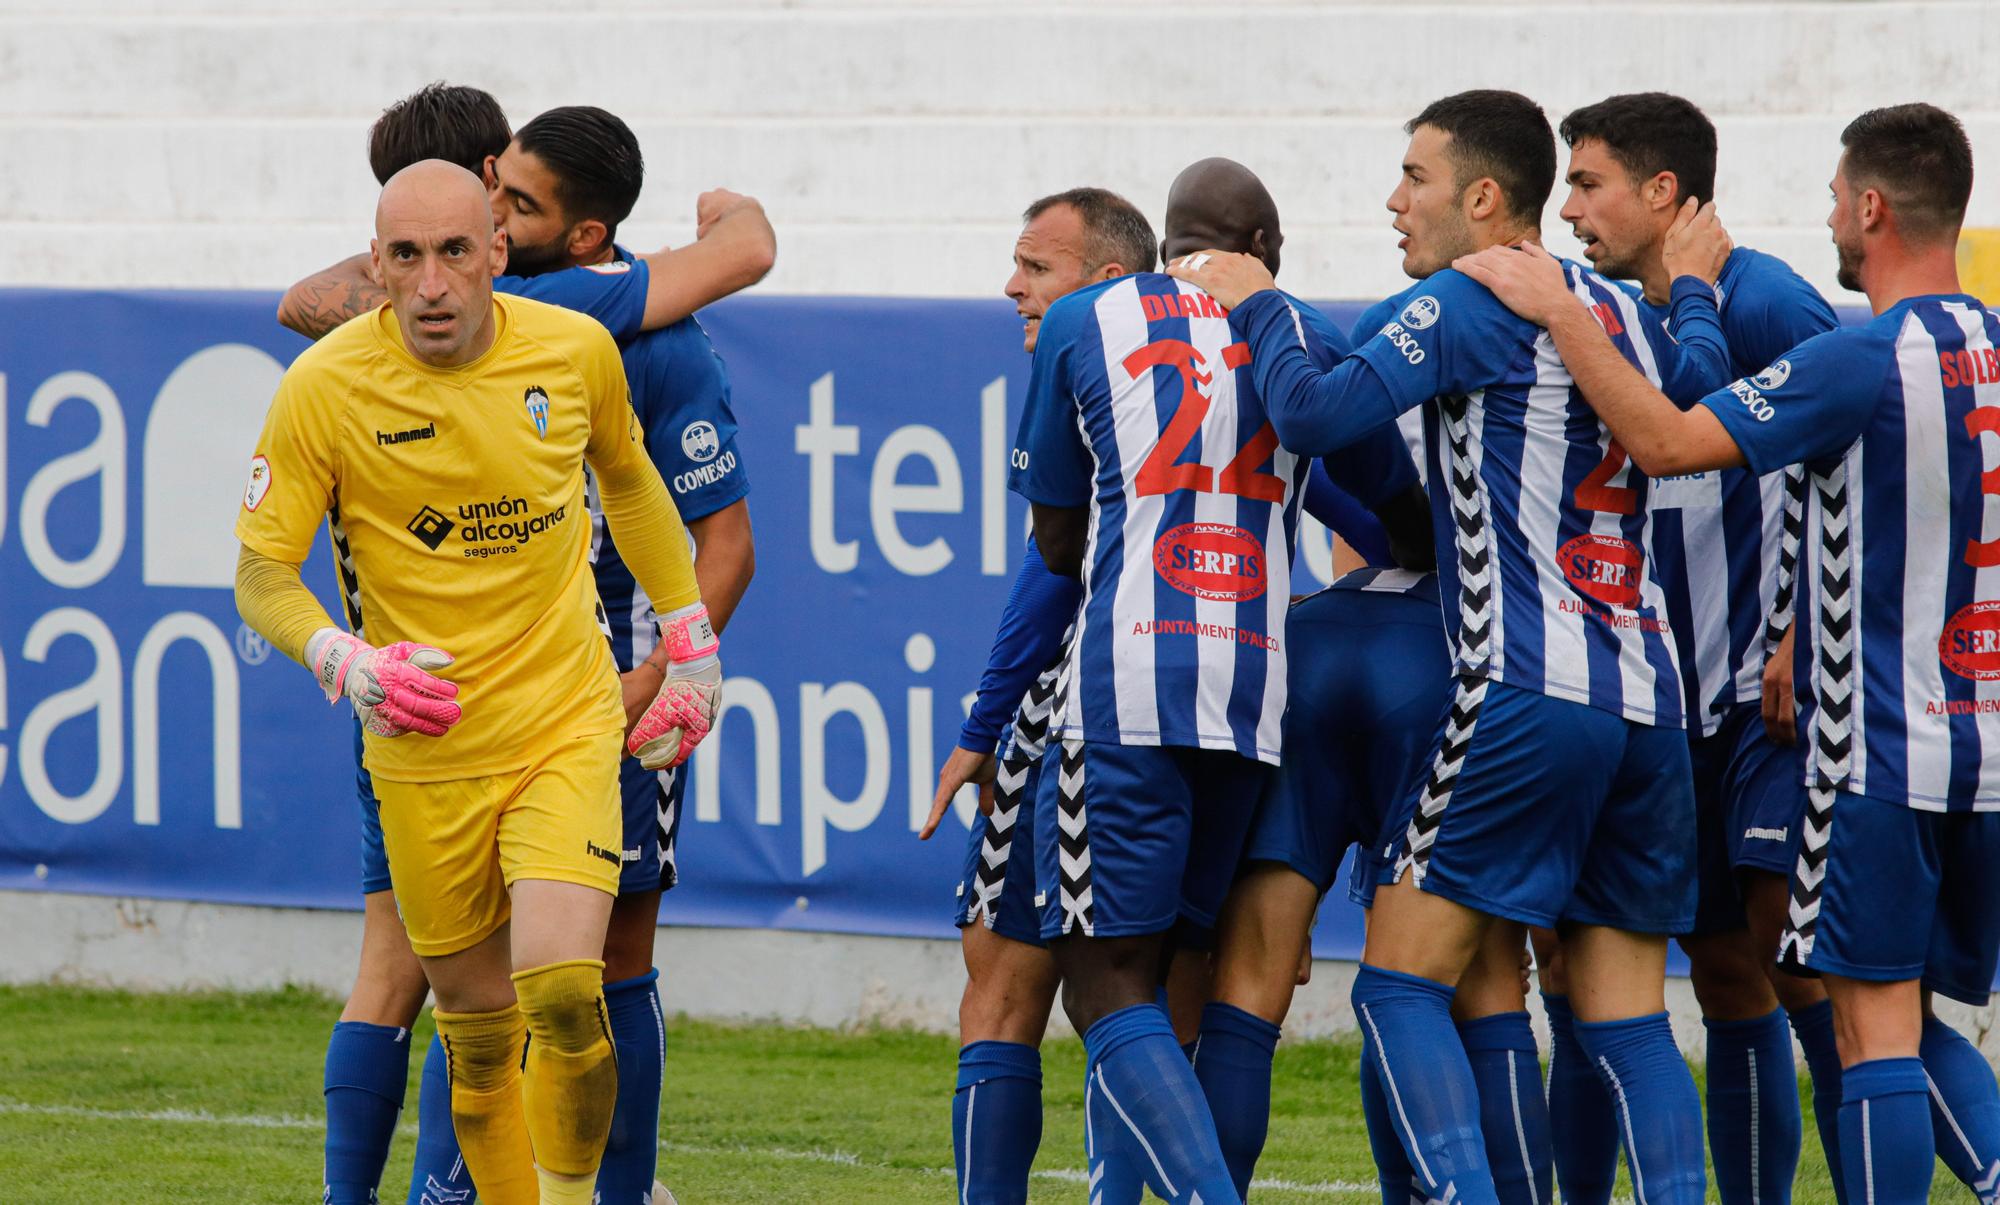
x=1051, y=464
x=1810, y=405
x=680, y=391
x=1694, y=359
x=1452, y=336
x=614, y=293
x=1039, y=610
x=1347, y=518
x=1313, y=409
x=1771, y=310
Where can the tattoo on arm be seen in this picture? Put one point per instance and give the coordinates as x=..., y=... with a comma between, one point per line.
x=317, y=304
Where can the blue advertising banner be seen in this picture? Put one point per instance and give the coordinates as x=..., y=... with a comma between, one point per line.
x=151, y=745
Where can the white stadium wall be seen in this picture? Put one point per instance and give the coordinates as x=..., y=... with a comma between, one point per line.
x=220, y=143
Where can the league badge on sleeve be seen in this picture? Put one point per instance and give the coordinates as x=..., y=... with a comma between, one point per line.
x=537, y=402
x=260, y=483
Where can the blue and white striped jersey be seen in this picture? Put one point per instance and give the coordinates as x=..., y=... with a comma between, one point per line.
x=1139, y=408
x=1726, y=624
x=1899, y=604
x=1540, y=519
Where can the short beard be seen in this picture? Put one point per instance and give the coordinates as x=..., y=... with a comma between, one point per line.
x=1849, y=274
x=533, y=261
x=1449, y=240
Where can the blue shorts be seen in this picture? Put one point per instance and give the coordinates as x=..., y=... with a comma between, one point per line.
x=1747, y=801
x=1905, y=894
x=1131, y=839
x=374, y=858
x=1543, y=811
x=997, y=888
x=652, y=802
x=1367, y=676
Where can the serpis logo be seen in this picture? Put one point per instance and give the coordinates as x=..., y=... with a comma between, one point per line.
x=1970, y=645
x=1774, y=376
x=537, y=403
x=1421, y=313
x=1604, y=567
x=1214, y=561
x=699, y=441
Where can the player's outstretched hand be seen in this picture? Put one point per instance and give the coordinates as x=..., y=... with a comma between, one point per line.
x=681, y=715
x=961, y=767
x=1526, y=279
x=1696, y=244
x=1780, y=709
x=393, y=689
x=1228, y=277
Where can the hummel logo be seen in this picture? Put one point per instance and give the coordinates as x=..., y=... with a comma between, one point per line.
x=609, y=855
x=390, y=438
x=430, y=528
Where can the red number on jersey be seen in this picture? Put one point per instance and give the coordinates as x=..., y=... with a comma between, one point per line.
x=1160, y=474
x=1592, y=493
x=1984, y=554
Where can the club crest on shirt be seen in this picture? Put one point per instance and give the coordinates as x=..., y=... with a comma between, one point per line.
x=1773, y=376
x=537, y=402
x=1421, y=313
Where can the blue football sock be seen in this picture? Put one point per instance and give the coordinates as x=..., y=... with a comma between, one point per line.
x=1814, y=1027
x=1135, y=1063
x=438, y=1176
x=1116, y=1161
x=996, y=1120
x=1513, y=1113
x=1233, y=1063
x=1885, y=1132
x=1965, y=1108
x=1433, y=1102
x=1392, y=1165
x=1583, y=1127
x=1754, y=1126
x=639, y=1035
x=1653, y=1097
x=367, y=1068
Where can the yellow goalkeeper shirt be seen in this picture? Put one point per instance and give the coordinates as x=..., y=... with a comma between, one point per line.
x=455, y=497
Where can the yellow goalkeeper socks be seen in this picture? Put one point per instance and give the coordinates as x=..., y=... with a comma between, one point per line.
x=483, y=1052
x=570, y=1085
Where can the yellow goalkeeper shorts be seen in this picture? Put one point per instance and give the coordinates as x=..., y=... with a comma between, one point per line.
x=455, y=847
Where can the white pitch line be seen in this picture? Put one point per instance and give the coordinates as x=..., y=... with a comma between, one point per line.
x=1329, y=1188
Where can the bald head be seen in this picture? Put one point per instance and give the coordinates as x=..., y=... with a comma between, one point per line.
x=1220, y=204
x=436, y=252
x=433, y=191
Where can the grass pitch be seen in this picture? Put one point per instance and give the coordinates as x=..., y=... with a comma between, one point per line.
x=112, y=1096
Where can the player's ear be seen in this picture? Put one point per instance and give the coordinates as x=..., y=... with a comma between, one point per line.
x=1662, y=192
x=586, y=238
x=375, y=259
x=1482, y=199
x=487, y=173
x=497, y=253
x=1110, y=271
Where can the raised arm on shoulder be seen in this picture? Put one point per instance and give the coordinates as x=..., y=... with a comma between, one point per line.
x=331, y=296
x=734, y=248
x=1662, y=439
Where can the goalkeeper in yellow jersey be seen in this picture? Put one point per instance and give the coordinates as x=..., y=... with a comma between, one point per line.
x=444, y=437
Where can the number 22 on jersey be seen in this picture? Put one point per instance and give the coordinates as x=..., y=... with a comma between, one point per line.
x=1161, y=474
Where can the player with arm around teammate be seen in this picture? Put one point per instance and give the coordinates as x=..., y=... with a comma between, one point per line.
x=1891, y=894
x=734, y=245
x=563, y=184
x=499, y=783
x=1557, y=788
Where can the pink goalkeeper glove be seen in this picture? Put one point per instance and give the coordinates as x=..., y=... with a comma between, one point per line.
x=684, y=710
x=391, y=688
